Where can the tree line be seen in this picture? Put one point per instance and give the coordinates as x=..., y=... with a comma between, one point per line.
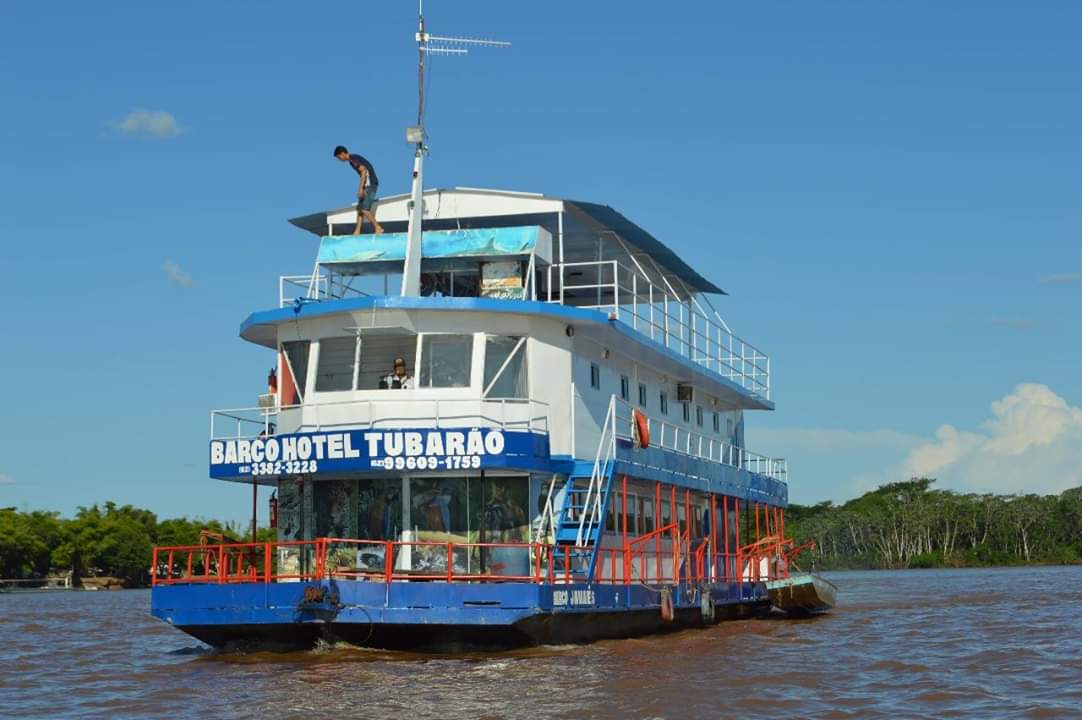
x=899, y=525
x=913, y=524
x=106, y=540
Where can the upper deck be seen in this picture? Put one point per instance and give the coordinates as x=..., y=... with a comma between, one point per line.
x=512, y=245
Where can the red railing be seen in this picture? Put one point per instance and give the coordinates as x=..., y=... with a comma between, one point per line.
x=389, y=561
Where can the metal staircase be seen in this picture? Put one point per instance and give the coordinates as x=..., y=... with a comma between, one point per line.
x=586, y=498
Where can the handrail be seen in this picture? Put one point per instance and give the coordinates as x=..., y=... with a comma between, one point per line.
x=535, y=417
x=658, y=311
x=606, y=447
x=671, y=436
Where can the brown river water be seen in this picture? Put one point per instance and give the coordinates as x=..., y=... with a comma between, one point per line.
x=911, y=644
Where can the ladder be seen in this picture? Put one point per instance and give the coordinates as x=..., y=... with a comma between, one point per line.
x=587, y=494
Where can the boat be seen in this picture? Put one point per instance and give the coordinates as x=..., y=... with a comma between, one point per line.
x=802, y=594
x=511, y=419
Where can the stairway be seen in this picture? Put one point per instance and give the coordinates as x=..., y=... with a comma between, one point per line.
x=581, y=521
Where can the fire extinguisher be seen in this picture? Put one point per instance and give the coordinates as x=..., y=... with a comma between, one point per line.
x=272, y=381
x=274, y=509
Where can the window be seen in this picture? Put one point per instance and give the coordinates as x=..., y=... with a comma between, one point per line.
x=647, y=514
x=505, y=367
x=625, y=388
x=642, y=395
x=595, y=376
x=296, y=364
x=337, y=360
x=379, y=349
x=717, y=423
x=666, y=514
x=663, y=401
x=632, y=514
x=729, y=430
x=699, y=415
x=687, y=412
x=445, y=361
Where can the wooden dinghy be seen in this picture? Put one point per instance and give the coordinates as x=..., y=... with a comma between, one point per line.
x=802, y=593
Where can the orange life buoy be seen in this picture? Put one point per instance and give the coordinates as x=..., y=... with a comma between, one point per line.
x=642, y=428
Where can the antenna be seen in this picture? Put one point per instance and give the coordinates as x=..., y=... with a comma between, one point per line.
x=427, y=44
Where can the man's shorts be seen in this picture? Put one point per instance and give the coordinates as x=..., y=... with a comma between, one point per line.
x=365, y=203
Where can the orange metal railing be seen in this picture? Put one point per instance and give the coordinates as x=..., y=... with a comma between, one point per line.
x=638, y=561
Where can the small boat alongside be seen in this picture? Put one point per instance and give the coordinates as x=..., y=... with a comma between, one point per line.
x=802, y=594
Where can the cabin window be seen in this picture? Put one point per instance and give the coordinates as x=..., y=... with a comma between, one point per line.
x=642, y=395
x=595, y=376
x=666, y=514
x=610, y=516
x=379, y=349
x=505, y=367
x=632, y=514
x=687, y=412
x=337, y=361
x=663, y=402
x=296, y=364
x=699, y=415
x=729, y=431
x=717, y=423
x=445, y=361
x=646, y=525
x=625, y=388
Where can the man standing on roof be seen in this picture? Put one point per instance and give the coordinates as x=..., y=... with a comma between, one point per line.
x=366, y=190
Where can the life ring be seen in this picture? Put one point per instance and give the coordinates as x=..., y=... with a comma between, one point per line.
x=666, y=605
x=642, y=428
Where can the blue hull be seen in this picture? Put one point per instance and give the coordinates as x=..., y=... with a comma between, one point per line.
x=438, y=616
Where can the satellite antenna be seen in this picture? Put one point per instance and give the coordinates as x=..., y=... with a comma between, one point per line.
x=427, y=44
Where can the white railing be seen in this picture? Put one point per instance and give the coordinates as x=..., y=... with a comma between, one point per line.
x=503, y=413
x=315, y=287
x=606, y=454
x=670, y=436
x=657, y=312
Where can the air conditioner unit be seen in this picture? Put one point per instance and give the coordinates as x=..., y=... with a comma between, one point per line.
x=684, y=393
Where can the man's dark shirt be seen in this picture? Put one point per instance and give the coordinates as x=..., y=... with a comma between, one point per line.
x=357, y=161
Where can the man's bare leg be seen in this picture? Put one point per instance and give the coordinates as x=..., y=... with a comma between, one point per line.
x=360, y=222
x=371, y=217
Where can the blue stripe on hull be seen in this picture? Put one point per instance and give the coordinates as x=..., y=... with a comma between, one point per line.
x=435, y=615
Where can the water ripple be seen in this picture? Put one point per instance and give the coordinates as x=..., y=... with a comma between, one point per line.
x=917, y=644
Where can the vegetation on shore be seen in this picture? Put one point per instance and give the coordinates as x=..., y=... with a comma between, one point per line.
x=900, y=525
x=109, y=540
x=912, y=524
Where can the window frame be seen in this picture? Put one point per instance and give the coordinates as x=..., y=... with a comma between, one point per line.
x=595, y=376
x=471, y=378
x=643, y=395
x=625, y=388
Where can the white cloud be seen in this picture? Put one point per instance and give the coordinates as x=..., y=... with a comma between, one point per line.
x=6, y=479
x=1031, y=443
x=152, y=123
x=177, y=275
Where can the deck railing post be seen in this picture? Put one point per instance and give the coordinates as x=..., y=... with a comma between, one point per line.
x=450, y=561
x=268, y=572
x=388, y=561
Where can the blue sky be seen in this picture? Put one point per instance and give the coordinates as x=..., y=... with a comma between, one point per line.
x=890, y=192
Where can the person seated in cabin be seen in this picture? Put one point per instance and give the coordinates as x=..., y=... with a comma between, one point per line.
x=366, y=191
x=399, y=379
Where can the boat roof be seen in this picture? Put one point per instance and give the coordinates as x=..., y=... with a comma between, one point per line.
x=463, y=202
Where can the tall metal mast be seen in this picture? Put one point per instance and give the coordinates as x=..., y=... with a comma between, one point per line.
x=426, y=45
